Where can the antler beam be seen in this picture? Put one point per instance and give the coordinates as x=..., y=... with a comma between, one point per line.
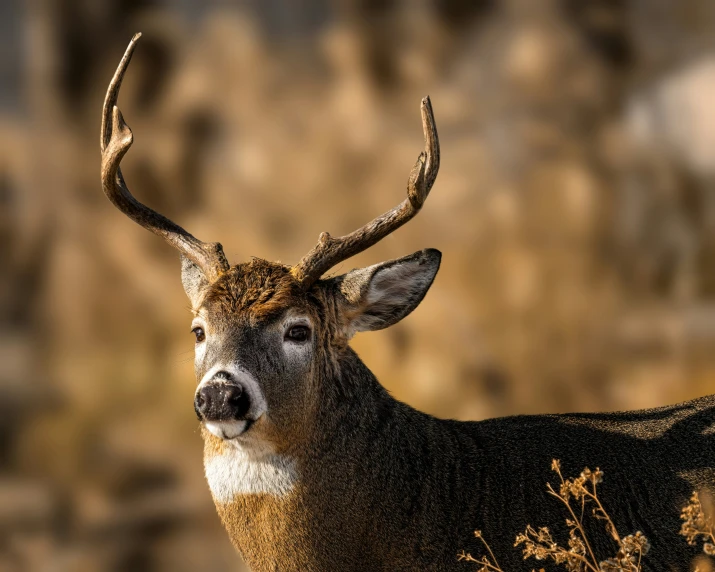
x=330, y=251
x=115, y=142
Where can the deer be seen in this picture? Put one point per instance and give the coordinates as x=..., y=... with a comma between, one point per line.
x=314, y=467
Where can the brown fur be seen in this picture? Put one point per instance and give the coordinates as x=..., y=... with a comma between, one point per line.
x=259, y=287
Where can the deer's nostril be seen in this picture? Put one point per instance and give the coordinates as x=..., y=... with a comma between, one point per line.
x=234, y=393
x=199, y=403
x=237, y=401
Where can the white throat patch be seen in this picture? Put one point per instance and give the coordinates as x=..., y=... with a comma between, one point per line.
x=237, y=472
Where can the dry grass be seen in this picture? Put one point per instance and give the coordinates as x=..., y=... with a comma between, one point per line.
x=579, y=493
x=487, y=563
x=698, y=524
x=576, y=494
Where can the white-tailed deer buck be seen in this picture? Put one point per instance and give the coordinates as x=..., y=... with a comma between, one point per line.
x=314, y=467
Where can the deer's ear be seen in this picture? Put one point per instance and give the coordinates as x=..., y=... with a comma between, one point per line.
x=376, y=297
x=193, y=280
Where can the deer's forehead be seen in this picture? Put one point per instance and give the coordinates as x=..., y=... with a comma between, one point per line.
x=255, y=292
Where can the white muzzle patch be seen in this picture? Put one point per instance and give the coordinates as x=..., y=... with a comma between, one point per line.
x=227, y=429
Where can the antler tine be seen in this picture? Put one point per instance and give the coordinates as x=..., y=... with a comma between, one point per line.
x=330, y=251
x=115, y=142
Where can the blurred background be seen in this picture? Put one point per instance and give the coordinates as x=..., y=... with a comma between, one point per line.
x=575, y=209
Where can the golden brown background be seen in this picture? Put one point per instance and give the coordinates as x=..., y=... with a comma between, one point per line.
x=575, y=208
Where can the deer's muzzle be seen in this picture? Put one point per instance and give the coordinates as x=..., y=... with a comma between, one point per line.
x=222, y=401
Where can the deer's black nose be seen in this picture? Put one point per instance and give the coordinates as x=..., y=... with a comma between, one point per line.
x=221, y=401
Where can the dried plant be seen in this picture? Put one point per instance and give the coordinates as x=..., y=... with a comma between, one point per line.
x=580, y=556
x=576, y=494
x=698, y=521
x=486, y=563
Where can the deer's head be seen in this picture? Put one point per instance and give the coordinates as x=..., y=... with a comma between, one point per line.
x=268, y=335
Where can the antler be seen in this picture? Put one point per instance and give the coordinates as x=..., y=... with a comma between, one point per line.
x=330, y=251
x=115, y=142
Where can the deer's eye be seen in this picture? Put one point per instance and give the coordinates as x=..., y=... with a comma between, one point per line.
x=298, y=333
x=199, y=333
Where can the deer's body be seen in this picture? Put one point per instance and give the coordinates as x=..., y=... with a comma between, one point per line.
x=315, y=468
x=372, y=484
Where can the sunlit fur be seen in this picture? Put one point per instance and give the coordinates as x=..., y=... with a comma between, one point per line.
x=372, y=484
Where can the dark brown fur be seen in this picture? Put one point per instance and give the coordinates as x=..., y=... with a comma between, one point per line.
x=260, y=288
